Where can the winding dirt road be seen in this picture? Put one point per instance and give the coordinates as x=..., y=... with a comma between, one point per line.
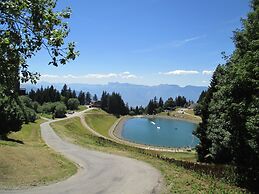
x=98, y=172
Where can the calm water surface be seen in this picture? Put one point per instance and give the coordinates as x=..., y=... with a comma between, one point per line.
x=160, y=132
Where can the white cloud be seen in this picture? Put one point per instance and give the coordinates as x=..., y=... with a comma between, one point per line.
x=207, y=72
x=94, y=76
x=49, y=76
x=180, y=72
x=100, y=76
x=127, y=75
x=70, y=76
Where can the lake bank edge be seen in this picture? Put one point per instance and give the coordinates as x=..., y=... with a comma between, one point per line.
x=116, y=132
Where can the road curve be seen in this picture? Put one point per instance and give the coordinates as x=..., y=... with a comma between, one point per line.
x=98, y=172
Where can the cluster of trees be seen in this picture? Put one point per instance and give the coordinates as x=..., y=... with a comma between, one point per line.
x=50, y=100
x=138, y=110
x=114, y=104
x=229, y=132
x=84, y=98
x=67, y=96
x=49, y=94
x=155, y=106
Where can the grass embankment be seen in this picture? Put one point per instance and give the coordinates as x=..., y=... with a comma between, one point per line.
x=81, y=108
x=187, y=114
x=25, y=160
x=100, y=121
x=45, y=115
x=177, y=179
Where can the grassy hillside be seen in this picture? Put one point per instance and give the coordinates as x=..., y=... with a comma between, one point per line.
x=81, y=108
x=25, y=160
x=178, y=179
x=100, y=121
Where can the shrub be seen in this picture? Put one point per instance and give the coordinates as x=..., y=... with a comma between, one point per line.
x=11, y=115
x=29, y=115
x=73, y=103
x=48, y=107
x=60, y=110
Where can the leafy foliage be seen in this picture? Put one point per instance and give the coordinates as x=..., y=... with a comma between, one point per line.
x=11, y=115
x=60, y=110
x=229, y=132
x=73, y=103
x=27, y=26
x=169, y=103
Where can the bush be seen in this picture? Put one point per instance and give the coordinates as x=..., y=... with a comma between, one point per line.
x=73, y=103
x=159, y=110
x=30, y=115
x=26, y=101
x=11, y=114
x=60, y=110
x=39, y=109
x=27, y=107
x=132, y=113
x=35, y=105
x=48, y=107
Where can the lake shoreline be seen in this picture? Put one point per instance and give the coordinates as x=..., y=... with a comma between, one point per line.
x=118, y=129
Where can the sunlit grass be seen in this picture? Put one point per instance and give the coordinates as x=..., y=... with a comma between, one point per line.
x=100, y=121
x=25, y=160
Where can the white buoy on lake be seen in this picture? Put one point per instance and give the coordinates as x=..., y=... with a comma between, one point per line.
x=153, y=122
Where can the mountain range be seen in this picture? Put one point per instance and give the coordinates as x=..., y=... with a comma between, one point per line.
x=134, y=95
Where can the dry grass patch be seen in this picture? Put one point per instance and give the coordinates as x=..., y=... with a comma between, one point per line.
x=31, y=162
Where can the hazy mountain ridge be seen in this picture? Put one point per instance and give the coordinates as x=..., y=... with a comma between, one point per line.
x=131, y=93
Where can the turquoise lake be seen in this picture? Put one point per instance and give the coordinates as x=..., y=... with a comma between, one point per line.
x=160, y=132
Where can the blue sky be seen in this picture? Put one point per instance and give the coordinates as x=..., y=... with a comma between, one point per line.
x=146, y=42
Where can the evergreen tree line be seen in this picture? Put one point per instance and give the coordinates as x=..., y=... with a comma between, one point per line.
x=155, y=106
x=114, y=104
x=229, y=132
x=50, y=94
x=51, y=101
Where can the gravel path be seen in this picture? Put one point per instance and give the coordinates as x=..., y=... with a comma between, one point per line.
x=98, y=172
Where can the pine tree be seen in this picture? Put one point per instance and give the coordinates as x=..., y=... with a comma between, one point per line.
x=88, y=98
x=151, y=108
x=81, y=97
x=95, y=98
x=104, y=100
x=161, y=102
x=64, y=90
